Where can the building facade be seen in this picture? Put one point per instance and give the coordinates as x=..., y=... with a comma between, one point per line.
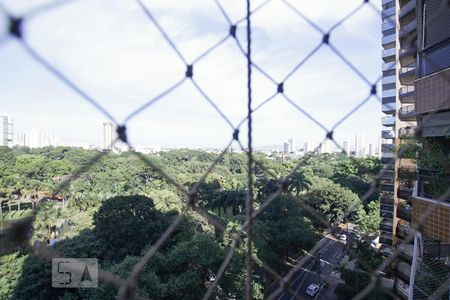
x=107, y=136
x=414, y=189
x=6, y=131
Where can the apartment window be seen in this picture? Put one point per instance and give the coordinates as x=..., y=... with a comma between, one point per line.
x=435, y=54
x=436, y=22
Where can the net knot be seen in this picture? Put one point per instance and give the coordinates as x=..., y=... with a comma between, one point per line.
x=122, y=133
x=280, y=88
x=189, y=71
x=233, y=30
x=15, y=26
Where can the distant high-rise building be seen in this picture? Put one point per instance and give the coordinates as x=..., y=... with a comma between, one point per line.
x=360, y=150
x=306, y=147
x=325, y=147
x=6, y=130
x=346, y=148
x=371, y=150
x=108, y=138
x=286, y=147
x=50, y=139
x=19, y=139
x=34, y=138
x=292, y=147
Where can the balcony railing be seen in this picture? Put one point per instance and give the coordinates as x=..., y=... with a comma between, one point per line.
x=389, y=93
x=407, y=113
x=402, y=289
x=386, y=239
x=408, y=50
x=386, y=215
x=432, y=183
x=386, y=249
x=404, y=211
x=410, y=27
x=407, y=132
x=408, y=73
x=388, y=166
x=388, y=79
x=404, y=270
x=407, y=53
x=388, y=121
x=386, y=187
x=388, y=12
x=387, y=25
x=406, y=251
x=388, y=66
x=406, y=173
x=387, y=161
x=407, y=8
x=388, y=39
x=388, y=134
x=387, y=148
x=406, y=94
x=387, y=174
x=388, y=108
x=404, y=193
x=386, y=207
x=386, y=226
x=404, y=230
x=386, y=200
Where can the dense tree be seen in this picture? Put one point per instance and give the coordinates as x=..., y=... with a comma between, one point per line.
x=331, y=199
x=121, y=220
x=10, y=272
x=119, y=206
x=265, y=187
x=298, y=182
x=354, y=282
x=286, y=215
x=369, y=218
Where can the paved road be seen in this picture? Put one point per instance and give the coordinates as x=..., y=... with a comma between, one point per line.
x=331, y=254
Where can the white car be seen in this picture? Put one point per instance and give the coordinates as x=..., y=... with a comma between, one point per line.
x=343, y=237
x=312, y=289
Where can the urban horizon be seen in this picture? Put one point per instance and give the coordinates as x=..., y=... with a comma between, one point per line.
x=38, y=138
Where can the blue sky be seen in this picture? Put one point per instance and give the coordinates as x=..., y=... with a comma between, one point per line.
x=115, y=54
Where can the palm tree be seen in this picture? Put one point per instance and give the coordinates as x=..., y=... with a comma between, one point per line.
x=298, y=183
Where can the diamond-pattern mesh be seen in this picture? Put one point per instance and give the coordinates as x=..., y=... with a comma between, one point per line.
x=127, y=286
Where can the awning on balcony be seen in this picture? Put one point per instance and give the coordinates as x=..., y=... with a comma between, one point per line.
x=437, y=124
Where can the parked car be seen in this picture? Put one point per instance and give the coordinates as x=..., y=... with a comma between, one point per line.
x=312, y=289
x=343, y=237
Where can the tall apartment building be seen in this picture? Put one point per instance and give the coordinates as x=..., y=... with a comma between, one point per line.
x=286, y=148
x=416, y=100
x=346, y=148
x=292, y=146
x=108, y=136
x=34, y=138
x=360, y=150
x=6, y=130
x=389, y=105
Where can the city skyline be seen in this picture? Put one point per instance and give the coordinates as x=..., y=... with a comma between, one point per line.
x=36, y=137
